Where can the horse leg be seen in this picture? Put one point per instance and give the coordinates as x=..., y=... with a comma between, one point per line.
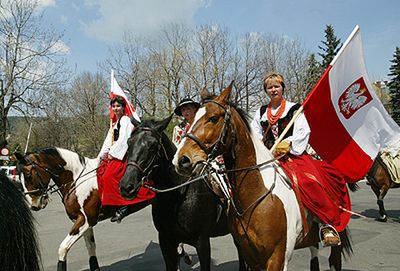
x=204, y=252
x=91, y=248
x=242, y=263
x=314, y=262
x=382, y=212
x=335, y=258
x=73, y=236
x=277, y=261
x=169, y=250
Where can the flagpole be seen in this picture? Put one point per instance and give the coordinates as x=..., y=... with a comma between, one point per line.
x=28, y=138
x=301, y=109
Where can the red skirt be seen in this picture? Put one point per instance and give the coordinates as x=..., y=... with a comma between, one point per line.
x=109, y=175
x=323, y=189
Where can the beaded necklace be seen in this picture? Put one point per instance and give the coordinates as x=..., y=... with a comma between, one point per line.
x=272, y=119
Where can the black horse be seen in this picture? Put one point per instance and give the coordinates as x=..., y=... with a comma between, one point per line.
x=190, y=214
x=19, y=250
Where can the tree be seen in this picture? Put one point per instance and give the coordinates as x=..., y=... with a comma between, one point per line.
x=31, y=60
x=330, y=47
x=313, y=72
x=394, y=85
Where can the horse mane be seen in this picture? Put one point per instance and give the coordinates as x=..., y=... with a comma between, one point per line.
x=52, y=151
x=18, y=238
x=243, y=114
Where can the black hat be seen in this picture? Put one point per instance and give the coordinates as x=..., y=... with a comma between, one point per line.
x=183, y=102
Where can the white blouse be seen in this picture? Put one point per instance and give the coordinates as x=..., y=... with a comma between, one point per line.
x=301, y=129
x=118, y=148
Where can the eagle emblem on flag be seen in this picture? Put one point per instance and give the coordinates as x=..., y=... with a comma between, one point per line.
x=353, y=98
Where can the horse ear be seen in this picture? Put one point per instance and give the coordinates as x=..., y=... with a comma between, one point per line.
x=162, y=125
x=135, y=122
x=224, y=96
x=20, y=158
x=204, y=94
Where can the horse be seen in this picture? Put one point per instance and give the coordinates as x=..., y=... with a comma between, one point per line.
x=190, y=214
x=19, y=249
x=380, y=181
x=264, y=216
x=75, y=179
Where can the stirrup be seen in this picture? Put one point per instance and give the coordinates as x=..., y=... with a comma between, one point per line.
x=120, y=214
x=329, y=236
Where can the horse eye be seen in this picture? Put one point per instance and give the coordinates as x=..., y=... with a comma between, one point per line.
x=213, y=119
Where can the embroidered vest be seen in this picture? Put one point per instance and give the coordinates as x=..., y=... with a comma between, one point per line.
x=268, y=136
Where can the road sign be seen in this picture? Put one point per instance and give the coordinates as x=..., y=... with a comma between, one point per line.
x=4, y=154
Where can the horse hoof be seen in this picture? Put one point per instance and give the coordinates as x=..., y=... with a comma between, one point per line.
x=62, y=266
x=382, y=219
x=188, y=259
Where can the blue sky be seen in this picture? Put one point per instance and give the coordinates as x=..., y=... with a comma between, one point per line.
x=92, y=26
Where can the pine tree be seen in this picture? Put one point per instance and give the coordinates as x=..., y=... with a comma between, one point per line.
x=394, y=86
x=330, y=47
x=314, y=72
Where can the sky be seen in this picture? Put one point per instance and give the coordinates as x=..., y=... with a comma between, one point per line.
x=91, y=27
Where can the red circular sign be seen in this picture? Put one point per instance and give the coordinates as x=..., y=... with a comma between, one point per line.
x=4, y=151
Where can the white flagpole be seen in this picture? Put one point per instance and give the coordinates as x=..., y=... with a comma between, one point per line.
x=27, y=139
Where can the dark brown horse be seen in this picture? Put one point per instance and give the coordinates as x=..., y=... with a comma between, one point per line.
x=19, y=246
x=75, y=178
x=264, y=215
x=380, y=181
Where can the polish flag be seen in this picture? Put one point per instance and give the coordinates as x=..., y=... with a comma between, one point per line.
x=117, y=91
x=349, y=124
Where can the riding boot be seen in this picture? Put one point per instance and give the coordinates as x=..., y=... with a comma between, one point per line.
x=120, y=214
x=329, y=236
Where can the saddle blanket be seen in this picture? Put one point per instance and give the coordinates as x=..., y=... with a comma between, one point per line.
x=392, y=162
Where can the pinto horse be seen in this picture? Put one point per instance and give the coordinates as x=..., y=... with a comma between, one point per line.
x=380, y=181
x=18, y=239
x=264, y=217
x=190, y=214
x=75, y=179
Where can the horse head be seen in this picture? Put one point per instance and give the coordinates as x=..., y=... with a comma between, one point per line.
x=146, y=149
x=36, y=170
x=211, y=134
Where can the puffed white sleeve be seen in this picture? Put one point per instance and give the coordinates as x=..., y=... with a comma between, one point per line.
x=106, y=145
x=176, y=135
x=119, y=148
x=256, y=124
x=301, y=134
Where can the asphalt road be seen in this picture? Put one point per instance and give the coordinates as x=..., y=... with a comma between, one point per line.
x=133, y=244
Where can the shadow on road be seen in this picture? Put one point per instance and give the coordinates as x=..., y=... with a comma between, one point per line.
x=151, y=260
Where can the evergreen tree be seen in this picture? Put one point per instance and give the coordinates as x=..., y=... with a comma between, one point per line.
x=394, y=86
x=314, y=72
x=330, y=47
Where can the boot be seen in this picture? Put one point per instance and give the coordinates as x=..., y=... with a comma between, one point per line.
x=329, y=236
x=120, y=214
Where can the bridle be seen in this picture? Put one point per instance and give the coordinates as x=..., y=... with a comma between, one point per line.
x=44, y=189
x=212, y=150
x=146, y=171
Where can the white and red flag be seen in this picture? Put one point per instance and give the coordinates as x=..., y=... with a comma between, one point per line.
x=117, y=91
x=349, y=124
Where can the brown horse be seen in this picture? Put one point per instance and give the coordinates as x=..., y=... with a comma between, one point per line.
x=380, y=181
x=75, y=178
x=264, y=215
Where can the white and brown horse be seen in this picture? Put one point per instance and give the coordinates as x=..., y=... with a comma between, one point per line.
x=75, y=178
x=265, y=216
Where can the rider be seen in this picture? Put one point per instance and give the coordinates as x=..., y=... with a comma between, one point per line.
x=113, y=164
x=187, y=108
x=320, y=187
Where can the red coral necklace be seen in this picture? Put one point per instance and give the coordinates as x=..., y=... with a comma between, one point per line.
x=272, y=119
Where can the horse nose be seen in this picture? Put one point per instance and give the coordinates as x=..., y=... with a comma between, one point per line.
x=127, y=190
x=184, y=163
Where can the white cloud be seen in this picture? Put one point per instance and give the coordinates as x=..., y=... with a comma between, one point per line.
x=139, y=17
x=46, y=3
x=61, y=48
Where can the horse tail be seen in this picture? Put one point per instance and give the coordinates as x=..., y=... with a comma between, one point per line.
x=346, y=240
x=18, y=238
x=353, y=187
